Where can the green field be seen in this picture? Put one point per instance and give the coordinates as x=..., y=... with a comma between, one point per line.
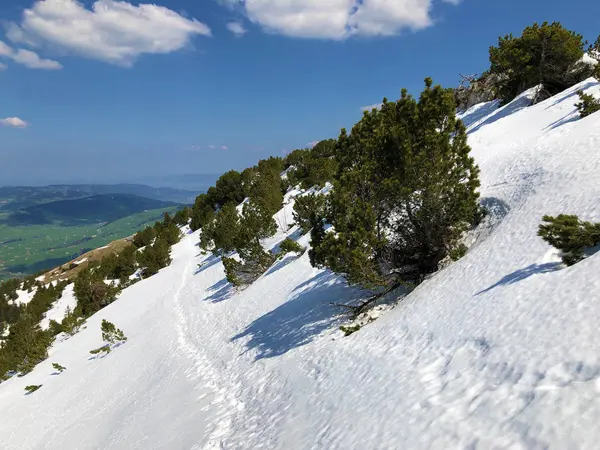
x=29, y=249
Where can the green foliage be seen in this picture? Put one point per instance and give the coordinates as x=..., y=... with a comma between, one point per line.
x=405, y=193
x=25, y=346
x=229, y=188
x=570, y=235
x=154, y=257
x=9, y=312
x=220, y=234
x=111, y=334
x=543, y=55
x=594, y=49
x=232, y=267
x=255, y=261
x=309, y=211
x=169, y=232
x=458, y=252
x=588, y=104
x=58, y=367
x=126, y=264
x=290, y=246
x=32, y=388
x=71, y=323
x=202, y=212
x=92, y=292
x=349, y=329
x=266, y=191
x=312, y=167
x=104, y=349
x=256, y=222
x=144, y=237
x=182, y=217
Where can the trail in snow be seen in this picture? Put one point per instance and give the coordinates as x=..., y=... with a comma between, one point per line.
x=498, y=350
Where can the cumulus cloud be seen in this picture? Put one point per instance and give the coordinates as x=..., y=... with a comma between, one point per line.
x=14, y=122
x=27, y=58
x=224, y=147
x=113, y=31
x=338, y=19
x=236, y=28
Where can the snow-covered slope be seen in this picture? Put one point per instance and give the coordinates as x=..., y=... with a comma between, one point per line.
x=499, y=350
x=57, y=312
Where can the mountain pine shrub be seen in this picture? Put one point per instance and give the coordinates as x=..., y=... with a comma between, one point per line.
x=111, y=334
x=406, y=191
x=570, y=235
x=588, y=104
x=144, y=237
x=104, y=349
x=545, y=55
x=32, y=388
x=58, y=367
x=309, y=211
x=290, y=246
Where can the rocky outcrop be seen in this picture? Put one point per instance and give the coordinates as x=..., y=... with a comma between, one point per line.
x=474, y=90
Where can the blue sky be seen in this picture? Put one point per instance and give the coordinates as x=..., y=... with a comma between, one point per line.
x=107, y=91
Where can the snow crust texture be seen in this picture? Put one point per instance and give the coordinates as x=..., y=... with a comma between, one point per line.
x=498, y=350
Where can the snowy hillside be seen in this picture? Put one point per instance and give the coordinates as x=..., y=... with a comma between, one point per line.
x=498, y=350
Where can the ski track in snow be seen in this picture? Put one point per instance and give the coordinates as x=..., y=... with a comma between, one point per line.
x=498, y=350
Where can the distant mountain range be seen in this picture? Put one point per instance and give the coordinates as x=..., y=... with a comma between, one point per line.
x=15, y=198
x=82, y=211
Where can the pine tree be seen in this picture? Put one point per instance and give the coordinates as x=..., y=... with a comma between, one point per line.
x=144, y=237
x=111, y=334
x=405, y=193
x=220, y=235
x=255, y=223
x=58, y=367
x=588, y=104
x=290, y=246
x=570, y=235
x=32, y=388
x=543, y=55
x=266, y=191
x=92, y=292
x=309, y=211
x=594, y=49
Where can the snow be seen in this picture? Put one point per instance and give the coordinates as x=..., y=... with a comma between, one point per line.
x=498, y=350
x=59, y=309
x=81, y=261
x=24, y=297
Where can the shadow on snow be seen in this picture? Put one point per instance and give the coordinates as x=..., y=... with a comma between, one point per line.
x=524, y=273
x=299, y=320
x=222, y=290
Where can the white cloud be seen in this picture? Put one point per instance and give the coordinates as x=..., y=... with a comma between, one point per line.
x=224, y=147
x=14, y=122
x=311, y=144
x=370, y=107
x=113, y=31
x=212, y=147
x=27, y=58
x=33, y=61
x=338, y=19
x=236, y=28
x=3, y=66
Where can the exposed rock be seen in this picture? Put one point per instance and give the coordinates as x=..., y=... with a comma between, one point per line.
x=474, y=90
